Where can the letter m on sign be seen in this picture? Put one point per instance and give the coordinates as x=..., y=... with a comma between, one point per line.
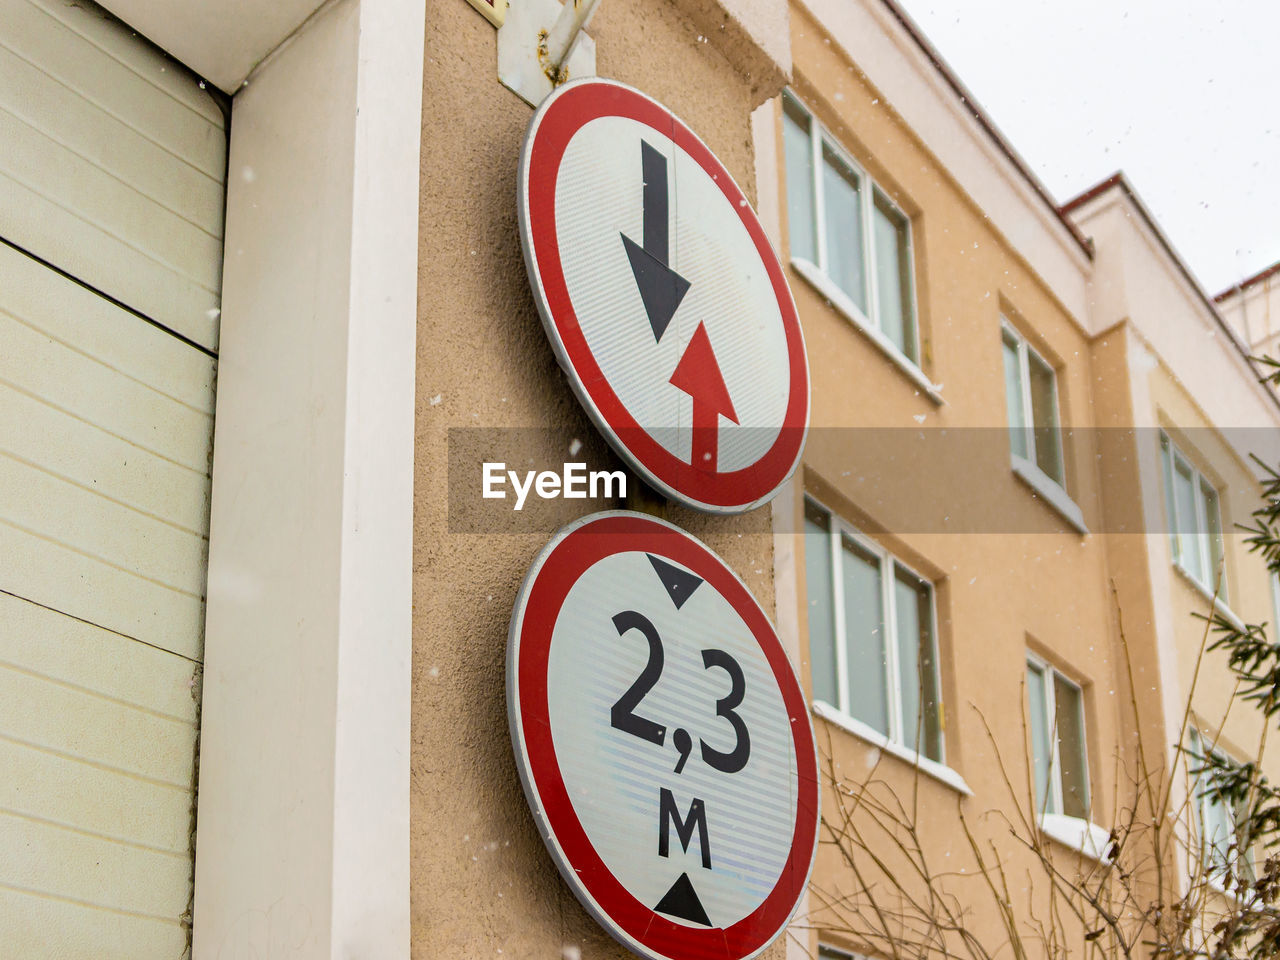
x=668, y=814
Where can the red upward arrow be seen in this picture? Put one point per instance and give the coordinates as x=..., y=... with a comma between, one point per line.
x=698, y=375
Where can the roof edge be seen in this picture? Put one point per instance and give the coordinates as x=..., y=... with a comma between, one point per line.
x=975, y=110
x=1118, y=181
x=1241, y=285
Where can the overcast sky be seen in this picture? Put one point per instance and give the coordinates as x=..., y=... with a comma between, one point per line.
x=1183, y=96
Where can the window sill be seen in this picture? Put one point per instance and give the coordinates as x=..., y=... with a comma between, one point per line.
x=1219, y=605
x=1080, y=836
x=1217, y=884
x=939, y=771
x=1051, y=492
x=846, y=307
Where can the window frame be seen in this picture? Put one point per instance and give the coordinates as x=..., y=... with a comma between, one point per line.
x=1201, y=746
x=868, y=191
x=890, y=564
x=1170, y=458
x=1054, y=787
x=1025, y=353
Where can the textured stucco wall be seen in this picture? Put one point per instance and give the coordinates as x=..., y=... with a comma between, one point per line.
x=483, y=885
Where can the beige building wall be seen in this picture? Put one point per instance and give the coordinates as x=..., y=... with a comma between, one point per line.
x=1252, y=307
x=1178, y=368
x=1011, y=573
x=483, y=884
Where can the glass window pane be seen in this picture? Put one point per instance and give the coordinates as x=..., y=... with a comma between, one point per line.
x=1044, y=415
x=1069, y=712
x=1013, y=397
x=822, y=618
x=798, y=147
x=1166, y=459
x=1213, y=533
x=1275, y=607
x=1184, y=494
x=917, y=671
x=1040, y=752
x=893, y=276
x=864, y=631
x=843, y=212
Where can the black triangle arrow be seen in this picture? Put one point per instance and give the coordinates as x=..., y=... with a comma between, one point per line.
x=682, y=901
x=680, y=584
x=661, y=288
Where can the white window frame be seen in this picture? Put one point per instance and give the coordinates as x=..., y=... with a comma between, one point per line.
x=840, y=529
x=1052, y=491
x=1275, y=604
x=1025, y=353
x=1200, y=747
x=1170, y=457
x=1053, y=799
x=817, y=274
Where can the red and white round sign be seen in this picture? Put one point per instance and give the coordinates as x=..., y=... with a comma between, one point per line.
x=665, y=303
x=663, y=740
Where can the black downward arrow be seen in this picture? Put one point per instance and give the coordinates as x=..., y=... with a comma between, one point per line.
x=661, y=288
x=680, y=584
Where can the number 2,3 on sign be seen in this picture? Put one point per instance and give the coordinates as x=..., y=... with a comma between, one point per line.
x=682, y=899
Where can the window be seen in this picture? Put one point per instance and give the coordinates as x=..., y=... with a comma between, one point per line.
x=831, y=953
x=1060, y=763
x=1219, y=821
x=1275, y=606
x=1195, y=522
x=1031, y=393
x=849, y=230
x=871, y=635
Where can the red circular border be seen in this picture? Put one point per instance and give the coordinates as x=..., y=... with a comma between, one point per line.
x=556, y=572
x=559, y=119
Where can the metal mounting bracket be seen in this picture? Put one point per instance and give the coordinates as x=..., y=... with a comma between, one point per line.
x=543, y=43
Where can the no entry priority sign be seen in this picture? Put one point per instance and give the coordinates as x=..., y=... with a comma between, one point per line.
x=662, y=739
x=665, y=303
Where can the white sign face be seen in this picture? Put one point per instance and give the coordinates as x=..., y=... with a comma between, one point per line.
x=663, y=739
x=663, y=299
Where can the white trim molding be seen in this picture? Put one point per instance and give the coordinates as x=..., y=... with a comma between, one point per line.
x=302, y=847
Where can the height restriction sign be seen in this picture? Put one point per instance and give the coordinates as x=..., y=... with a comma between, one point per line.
x=662, y=739
x=663, y=300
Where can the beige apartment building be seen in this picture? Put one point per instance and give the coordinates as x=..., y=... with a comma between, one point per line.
x=264, y=312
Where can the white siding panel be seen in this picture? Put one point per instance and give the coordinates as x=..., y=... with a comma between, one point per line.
x=94, y=591
x=45, y=786
x=87, y=522
x=66, y=180
x=77, y=725
x=42, y=926
x=81, y=655
x=85, y=322
x=102, y=462
x=85, y=112
x=109, y=144
x=65, y=863
x=87, y=388
x=99, y=58
x=112, y=172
